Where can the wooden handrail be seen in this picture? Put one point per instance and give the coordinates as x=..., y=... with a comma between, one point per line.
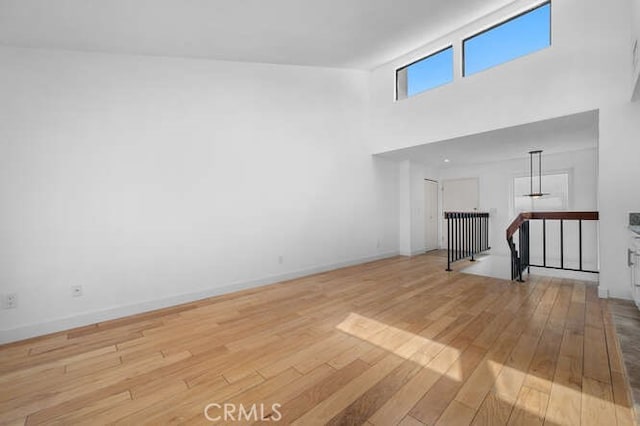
x=522, y=217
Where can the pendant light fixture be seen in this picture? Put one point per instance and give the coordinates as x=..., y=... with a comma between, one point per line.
x=537, y=192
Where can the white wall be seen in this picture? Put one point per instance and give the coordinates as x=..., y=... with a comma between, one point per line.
x=496, y=196
x=619, y=192
x=411, y=218
x=635, y=39
x=419, y=173
x=151, y=181
x=404, y=208
x=586, y=65
x=587, y=68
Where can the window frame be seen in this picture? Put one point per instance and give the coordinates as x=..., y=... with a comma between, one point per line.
x=564, y=171
x=434, y=53
x=506, y=21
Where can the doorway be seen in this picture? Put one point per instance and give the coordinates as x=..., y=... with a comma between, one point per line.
x=430, y=215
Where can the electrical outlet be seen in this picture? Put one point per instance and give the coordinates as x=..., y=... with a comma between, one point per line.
x=10, y=301
x=76, y=290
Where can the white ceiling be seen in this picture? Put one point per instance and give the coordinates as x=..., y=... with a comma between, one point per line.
x=564, y=134
x=329, y=33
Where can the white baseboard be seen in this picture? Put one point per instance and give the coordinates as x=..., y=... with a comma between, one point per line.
x=67, y=323
x=412, y=253
x=603, y=293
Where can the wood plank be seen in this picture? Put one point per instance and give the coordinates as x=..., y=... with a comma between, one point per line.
x=477, y=386
x=530, y=407
x=407, y=421
x=289, y=393
x=493, y=411
x=596, y=358
x=565, y=398
x=310, y=398
x=341, y=399
x=597, y=403
x=396, y=341
x=431, y=406
x=84, y=385
x=175, y=408
x=369, y=402
x=456, y=414
x=397, y=407
x=88, y=411
x=251, y=396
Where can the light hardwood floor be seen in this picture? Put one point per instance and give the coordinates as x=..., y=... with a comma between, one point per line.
x=398, y=341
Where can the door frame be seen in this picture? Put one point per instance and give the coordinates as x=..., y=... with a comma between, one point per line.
x=437, y=188
x=441, y=225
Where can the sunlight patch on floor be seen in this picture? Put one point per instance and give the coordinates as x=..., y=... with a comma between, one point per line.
x=507, y=384
x=563, y=403
x=426, y=352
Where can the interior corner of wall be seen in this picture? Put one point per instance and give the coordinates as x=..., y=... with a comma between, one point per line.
x=603, y=292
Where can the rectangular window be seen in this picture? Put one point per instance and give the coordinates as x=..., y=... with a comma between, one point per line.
x=427, y=73
x=555, y=185
x=519, y=36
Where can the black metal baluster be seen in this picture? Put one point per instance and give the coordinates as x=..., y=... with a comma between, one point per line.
x=454, y=233
x=580, y=240
x=528, y=249
x=466, y=235
x=470, y=234
x=520, y=246
x=479, y=241
x=472, y=220
x=460, y=236
x=482, y=241
x=478, y=234
x=454, y=237
x=485, y=241
x=544, y=242
x=519, y=265
x=482, y=233
x=486, y=233
x=561, y=244
x=446, y=215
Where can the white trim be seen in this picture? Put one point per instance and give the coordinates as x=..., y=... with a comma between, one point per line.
x=517, y=12
x=603, y=293
x=416, y=252
x=438, y=221
x=67, y=323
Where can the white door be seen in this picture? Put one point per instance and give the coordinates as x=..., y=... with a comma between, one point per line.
x=431, y=215
x=458, y=195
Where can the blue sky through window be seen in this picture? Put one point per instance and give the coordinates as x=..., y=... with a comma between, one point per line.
x=430, y=72
x=522, y=35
